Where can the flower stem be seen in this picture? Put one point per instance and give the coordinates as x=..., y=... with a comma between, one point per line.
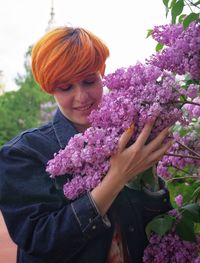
x=182, y=177
x=180, y=169
x=183, y=156
x=189, y=149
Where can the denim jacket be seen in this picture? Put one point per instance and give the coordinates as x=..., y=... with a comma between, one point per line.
x=49, y=228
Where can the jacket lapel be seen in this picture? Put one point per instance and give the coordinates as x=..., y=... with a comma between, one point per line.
x=63, y=128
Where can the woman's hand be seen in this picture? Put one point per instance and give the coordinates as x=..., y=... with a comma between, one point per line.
x=127, y=163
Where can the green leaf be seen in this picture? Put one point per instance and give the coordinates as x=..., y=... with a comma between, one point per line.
x=191, y=212
x=149, y=32
x=196, y=194
x=159, y=46
x=177, y=10
x=165, y=2
x=159, y=225
x=185, y=230
x=173, y=2
x=191, y=17
x=182, y=98
x=197, y=3
x=183, y=132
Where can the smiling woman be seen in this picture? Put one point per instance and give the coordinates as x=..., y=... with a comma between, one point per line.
x=46, y=225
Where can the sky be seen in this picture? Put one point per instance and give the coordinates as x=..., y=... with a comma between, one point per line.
x=122, y=24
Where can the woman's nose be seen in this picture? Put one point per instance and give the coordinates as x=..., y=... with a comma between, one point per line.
x=81, y=94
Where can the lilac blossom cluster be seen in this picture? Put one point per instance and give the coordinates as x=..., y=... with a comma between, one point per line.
x=185, y=151
x=86, y=157
x=139, y=94
x=171, y=248
x=182, y=54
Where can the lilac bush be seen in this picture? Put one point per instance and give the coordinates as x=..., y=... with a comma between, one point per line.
x=137, y=94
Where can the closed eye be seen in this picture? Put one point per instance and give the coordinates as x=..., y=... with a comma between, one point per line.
x=67, y=88
x=89, y=82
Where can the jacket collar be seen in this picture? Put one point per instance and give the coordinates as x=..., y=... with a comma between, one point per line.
x=63, y=128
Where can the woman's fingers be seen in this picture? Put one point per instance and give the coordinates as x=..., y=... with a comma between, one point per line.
x=142, y=138
x=125, y=137
x=157, y=142
x=158, y=154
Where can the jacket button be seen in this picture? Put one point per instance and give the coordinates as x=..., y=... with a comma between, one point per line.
x=94, y=227
x=131, y=229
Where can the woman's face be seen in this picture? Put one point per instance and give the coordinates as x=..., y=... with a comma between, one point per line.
x=77, y=100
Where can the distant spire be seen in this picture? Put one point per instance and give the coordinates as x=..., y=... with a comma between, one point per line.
x=51, y=23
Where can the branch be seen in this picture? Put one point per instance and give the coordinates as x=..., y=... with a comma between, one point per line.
x=183, y=177
x=189, y=149
x=191, y=3
x=191, y=102
x=186, y=102
x=183, y=156
x=180, y=169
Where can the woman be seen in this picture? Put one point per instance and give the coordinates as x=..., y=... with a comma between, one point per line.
x=104, y=225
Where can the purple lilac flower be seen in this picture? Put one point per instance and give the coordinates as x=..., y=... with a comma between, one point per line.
x=192, y=142
x=179, y=200
x=182, y=54
x=193, y=91
x=193, y=109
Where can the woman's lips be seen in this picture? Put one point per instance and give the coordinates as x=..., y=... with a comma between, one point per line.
x=84, y=108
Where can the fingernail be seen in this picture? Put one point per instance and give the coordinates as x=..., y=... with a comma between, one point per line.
x=130, y=129
x=170, y=129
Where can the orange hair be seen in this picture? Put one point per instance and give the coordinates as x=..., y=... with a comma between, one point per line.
x=66, y=55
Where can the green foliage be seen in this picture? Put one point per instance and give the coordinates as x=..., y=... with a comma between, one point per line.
x=159, y=47
x=183, y=186
x=149, y=32
x=20, y=110
x=186, y=226
x=160, y=225
x=176, y=8
x=191, y=17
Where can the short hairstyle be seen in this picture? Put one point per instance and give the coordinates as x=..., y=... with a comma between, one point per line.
x=66, y=55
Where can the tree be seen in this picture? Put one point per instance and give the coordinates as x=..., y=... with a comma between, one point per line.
x=21, y=109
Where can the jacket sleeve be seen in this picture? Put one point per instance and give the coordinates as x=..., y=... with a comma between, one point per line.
x=40, y=220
